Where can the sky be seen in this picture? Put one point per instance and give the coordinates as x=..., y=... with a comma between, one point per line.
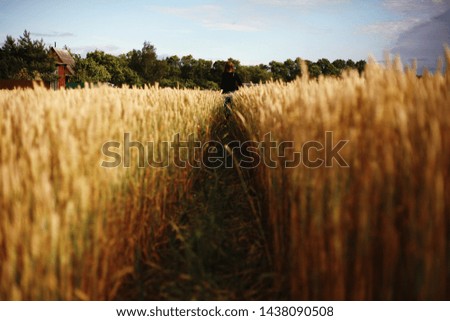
x=252, y=31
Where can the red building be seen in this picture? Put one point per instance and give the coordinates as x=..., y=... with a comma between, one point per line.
x=64, y=67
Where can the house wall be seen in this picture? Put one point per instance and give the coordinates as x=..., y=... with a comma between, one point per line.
x=61, y=76
x=12, y=84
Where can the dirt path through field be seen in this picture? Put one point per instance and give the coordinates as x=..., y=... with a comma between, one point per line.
x=216, y=249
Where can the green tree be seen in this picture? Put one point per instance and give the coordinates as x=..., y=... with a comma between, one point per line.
x=117, y=67
x=340, y=65
x=314, y=69
x=173, y=67
x=254, y=74
x=171, y=76
x=88, y=70
x=10, y=62
x=202, y=73
x=187, y=67
x=278, y=70
x=129, y=76
x=350, y=64
x=25, y=58
x=217, y=70
x=361, y=65
x=327, y=67
x=143, y=67
x=145, y=62
x=292, y=69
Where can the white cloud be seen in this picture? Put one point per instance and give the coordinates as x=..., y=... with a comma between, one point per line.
x=418, y=30
x=53, y=34
x=211, y=17
x=298, y=3
x=83, y=50
x=391, y=29
x=425, y=42
x=190, y=12
x=410, y=14
x=418, y=7
x=233, y=26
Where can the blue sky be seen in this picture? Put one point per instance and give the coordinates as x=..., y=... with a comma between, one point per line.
x=253, y=31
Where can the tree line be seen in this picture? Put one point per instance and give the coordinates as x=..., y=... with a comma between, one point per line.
x=24, y=58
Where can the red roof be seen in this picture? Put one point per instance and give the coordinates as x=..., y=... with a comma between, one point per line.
x=64, y=57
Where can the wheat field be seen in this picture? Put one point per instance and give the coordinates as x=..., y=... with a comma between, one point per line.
x=378, y=228
x=69, y=228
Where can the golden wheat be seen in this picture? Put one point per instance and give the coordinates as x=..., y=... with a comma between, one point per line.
x=69, y=228
x=378, y=229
